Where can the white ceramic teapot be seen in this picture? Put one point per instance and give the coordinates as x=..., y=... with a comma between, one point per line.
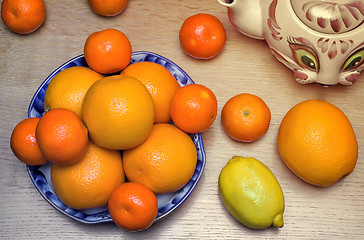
x=321, y=41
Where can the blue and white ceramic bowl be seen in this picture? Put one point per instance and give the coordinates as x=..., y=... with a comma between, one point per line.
x=40, y=175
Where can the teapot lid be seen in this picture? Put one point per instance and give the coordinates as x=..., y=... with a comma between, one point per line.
x=330, y=16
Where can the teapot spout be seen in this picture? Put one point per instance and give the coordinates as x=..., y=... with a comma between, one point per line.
x=226, y=3
x=246, y=16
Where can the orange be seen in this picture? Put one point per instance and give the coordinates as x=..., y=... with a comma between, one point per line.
x=107, y=51
x=317, y=142
x=68, y=88
x=108, y=8
x=245, y=117
x=89, y=182
x=133, y=206
x=164, y=162
x=161, y=85
x=23, y=16
x=202, y=36
x=24, y=144
x=194, y=108
x=61, y=136
x=118, y=112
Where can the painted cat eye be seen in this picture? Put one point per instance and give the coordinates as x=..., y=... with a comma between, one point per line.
x=354, y=61
x=305, y=57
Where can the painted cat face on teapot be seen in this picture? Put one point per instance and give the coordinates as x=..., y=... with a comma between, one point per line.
x=321, y=41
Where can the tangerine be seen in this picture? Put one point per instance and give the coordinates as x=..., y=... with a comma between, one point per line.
x=108, y=8
x=194, y=108
x=245, y=117
x=23, y=16
x=133, y=206
x=107, y=51
x=202, y=36
x=24, y=144
x=61, y=136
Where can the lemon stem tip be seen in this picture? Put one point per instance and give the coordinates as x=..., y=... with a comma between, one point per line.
x=278, y=221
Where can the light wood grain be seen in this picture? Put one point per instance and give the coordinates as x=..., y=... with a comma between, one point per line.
x=245, y=65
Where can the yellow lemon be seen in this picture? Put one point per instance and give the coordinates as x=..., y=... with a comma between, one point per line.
x=251, y=193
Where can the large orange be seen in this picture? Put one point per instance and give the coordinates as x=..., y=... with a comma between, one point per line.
x=89, y=182
x=194, y=108
x=23, y=16
x=164, y=162
x=61, y=136
x=317, y=142
x=161, y=85
x=202, y=36
x=107, y=8
x=245, y=117
x=24, y=144
x=107, y=51
x=68, y=88
x=133, y=206
x=118, y=112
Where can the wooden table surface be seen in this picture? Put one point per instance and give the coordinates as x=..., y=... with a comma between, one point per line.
x=245, y=65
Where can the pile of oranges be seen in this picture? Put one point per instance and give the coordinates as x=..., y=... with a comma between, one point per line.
x=100, y=132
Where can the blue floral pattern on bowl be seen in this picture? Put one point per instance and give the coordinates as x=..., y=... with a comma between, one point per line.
x=40, y=175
